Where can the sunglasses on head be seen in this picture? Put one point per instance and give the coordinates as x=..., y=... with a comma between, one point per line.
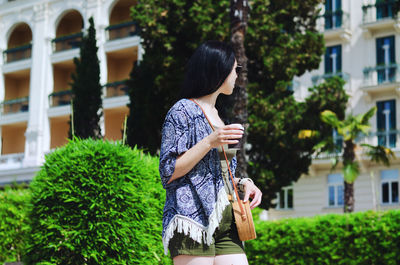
x=238, y=69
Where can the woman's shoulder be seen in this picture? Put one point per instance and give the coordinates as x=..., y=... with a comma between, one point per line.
x=185, y=106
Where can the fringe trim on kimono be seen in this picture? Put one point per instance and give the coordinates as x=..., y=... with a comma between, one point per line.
x=194, y=230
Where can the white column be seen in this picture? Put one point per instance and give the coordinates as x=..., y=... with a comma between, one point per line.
x=2, y=93
x=3, y=47
x=101, y=40
x=38, y=123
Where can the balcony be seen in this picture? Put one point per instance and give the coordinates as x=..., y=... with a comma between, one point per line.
x=122, y=30
x=11, y=161
x=116, y=89
x=318, y=79
x=389, y=139
x=115, y=95
x=335, y=26
x=381, y=79
x=18, y=53
x=60, y=98
x=379, y=17
x=14, y=105
x=67, y=42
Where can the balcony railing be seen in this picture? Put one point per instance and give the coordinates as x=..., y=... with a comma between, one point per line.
x=116, y=89
x=11, y=161
x=14, y=105
x=318, y=79
x=67, y=42
x=122, y=30
x=389, y=139
x=60, y=98
x=335, y=20
x=378, y=11
x=381, y=74
x=18, y=53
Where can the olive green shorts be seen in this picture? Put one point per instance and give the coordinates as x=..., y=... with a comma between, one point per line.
x=226, y=240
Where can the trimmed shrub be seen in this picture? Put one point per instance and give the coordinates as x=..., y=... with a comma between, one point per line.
x=13, y=223
x=357, y=238
x=96, y=202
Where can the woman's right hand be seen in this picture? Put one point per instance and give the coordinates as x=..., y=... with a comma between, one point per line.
x=228, y=134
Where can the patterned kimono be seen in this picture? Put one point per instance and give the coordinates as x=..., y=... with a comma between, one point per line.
x=194, y=202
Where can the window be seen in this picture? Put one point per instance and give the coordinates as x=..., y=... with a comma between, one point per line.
x=333, y=59
x=384, y=8
x=285, y=198
x=390, y=186
x=338, y=140
x=385, y=57
x=333, y=14
x=386, y=123
x=335, y=190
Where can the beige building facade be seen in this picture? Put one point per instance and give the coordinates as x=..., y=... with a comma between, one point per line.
x=362, y=39
x=38, y=41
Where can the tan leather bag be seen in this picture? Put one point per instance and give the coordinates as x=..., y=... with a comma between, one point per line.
x=241, y=210
x=245, y=226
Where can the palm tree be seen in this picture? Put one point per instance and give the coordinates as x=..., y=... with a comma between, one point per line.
x=350, y=129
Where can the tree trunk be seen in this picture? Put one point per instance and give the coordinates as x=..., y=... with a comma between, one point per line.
x=239, y=15
x=348, y=197
x=349, y=157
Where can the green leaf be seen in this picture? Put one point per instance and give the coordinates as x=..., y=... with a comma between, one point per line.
x=330, y=118
x=351, y=172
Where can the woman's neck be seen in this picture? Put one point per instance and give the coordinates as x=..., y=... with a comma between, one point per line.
x=208, y=101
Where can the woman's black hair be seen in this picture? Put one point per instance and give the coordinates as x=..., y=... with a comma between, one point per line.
x=207, y=69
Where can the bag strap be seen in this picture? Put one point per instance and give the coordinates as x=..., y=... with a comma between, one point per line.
x=227, y=163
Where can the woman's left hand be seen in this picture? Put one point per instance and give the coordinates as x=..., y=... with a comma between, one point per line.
x=251, y=191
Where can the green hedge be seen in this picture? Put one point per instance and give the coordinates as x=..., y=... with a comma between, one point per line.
x=13, y=223
x=96, y=202
x=357, y=238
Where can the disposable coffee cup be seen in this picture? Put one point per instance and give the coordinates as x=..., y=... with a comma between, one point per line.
x=237, y=145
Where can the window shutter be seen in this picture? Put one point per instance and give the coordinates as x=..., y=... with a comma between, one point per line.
x=339, y=13
x=379, y=9
x=328, y=63
x=392, y=50
x=338, y=4
x=339, y=59
x=380, y=55
x=328, y=5
x=380, y=118
x=392, y=119
x=328, y=14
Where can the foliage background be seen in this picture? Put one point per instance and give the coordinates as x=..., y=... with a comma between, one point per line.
x=13, y=222
x=282, y=42
x=357, y=238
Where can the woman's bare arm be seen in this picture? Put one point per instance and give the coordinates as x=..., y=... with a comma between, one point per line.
x=225, y=135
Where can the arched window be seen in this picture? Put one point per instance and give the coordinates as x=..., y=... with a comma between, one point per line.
x=19, y=44
x=69, y=32
x=121, y=23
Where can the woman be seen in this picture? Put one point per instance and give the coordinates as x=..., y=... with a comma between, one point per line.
x=198, y=226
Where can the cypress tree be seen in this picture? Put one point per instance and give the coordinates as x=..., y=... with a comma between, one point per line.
x=86, y=88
